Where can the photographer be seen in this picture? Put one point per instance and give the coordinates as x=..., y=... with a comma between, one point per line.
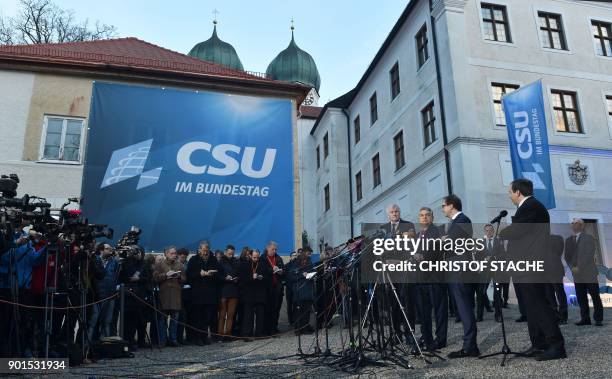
x=303, y=292
x=169, y=274
x=16, y=266
x=229, y=292
x=255, y=277
x=136, y=277
x=106, y=286
x=203, y=274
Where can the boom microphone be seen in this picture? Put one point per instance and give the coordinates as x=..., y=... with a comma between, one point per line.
x=501, y=215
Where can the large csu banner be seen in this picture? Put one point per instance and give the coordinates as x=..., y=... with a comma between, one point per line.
x=526, y=123
x=186, y=166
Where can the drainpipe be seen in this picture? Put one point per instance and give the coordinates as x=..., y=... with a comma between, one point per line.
x=449, y=183
x=350, y=169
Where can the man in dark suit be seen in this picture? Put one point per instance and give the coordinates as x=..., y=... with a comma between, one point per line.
x=430, y=288
x=494, y=249
x=580, y=256
x=462, y=288
x=556, y=292
x=396, y=226
x=528, y=240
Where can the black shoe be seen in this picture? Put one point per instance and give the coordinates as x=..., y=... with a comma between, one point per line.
x=497, y=318
x=199, y=343
x=532, y=352
x=489, y=309
x=583, y=322
x=521, y=319
x=479, y=319
x=551, y=354
x=457, y=320
x=173, y=344
x=563, y=321
x=505, y=304
x=463, y=354
x=438, y=345
x=598, y=323
x=247, y=339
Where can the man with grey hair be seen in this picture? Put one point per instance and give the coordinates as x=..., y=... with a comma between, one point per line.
x=275, y=291
x=580, y=252
x=169, y=274
x=406, y=290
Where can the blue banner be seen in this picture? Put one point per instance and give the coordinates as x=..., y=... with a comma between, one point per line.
x=526, y=123
x=186, y=166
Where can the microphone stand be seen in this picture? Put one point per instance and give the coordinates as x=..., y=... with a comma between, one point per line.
x=505, y=351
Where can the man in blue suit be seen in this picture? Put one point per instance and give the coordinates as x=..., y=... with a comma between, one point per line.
x=462, y=290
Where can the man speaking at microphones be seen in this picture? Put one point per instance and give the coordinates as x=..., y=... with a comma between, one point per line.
x=528, y=238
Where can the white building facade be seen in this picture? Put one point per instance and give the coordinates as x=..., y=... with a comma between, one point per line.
x=425, y=119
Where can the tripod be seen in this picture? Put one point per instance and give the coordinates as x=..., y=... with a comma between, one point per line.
x=505, y=351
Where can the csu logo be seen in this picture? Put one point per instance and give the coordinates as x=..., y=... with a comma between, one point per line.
x=130, y=161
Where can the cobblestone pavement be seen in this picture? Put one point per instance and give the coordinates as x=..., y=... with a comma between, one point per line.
x=587, y=347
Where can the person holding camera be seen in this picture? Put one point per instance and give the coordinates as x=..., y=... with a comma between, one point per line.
x=106, y=286
x=204, y=276
x=135, y=276
x=255, y=278
x=169, y=274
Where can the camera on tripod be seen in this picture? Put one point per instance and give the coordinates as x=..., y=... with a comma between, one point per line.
x=127, y=246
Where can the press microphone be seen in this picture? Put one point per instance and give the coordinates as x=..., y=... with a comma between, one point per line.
x=501, y=215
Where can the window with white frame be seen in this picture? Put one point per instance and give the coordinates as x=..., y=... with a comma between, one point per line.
x=566, y=113
x=552, y=35
x=495, y=22
x=62, y=139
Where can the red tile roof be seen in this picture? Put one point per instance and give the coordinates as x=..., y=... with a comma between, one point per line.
x=128, y=52
x=310, y=112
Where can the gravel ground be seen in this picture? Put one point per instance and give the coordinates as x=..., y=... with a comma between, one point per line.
x=586, y=348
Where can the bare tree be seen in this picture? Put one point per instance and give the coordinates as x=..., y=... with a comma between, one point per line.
x=41, y=21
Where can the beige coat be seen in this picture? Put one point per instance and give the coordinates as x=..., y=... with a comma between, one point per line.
x=169, y=288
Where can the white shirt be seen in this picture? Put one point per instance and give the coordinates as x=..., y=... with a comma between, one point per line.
x=522, y=201
x=456, y=214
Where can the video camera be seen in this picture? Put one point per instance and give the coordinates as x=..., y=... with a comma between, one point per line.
x=128, y=246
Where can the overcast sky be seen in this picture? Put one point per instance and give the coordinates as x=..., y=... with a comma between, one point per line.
x=341, y=35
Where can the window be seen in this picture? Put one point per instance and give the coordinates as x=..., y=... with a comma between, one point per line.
x=373, y=109
x=551, y=31
x=495, y=22
x=376, y=170
x=325, y=145
x=602, y=32
x=327, y=205
x=429, y=130
x=398, y=145
x=358, y=187
x=566, y=114
x=421, y=43
x=499, y=90
x=395, y=81
x=318, y=157
x=62, y=139
x=357, y=129
x=609, y=102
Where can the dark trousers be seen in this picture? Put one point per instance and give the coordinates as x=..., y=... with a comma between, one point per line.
x=135, y=322
x=290, y=305
x=519, y=299
x=482, y=299
x=302, y=314
x=581, y=295
x=452, y=308
x=464, y=295
x=542, y=322
x=203, y=318
x=407, y=295
x=253, y=311
x=274, y=302
x=432, y=297
x=558, y=299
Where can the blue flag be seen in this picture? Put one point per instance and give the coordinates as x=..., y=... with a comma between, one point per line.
x=526, y=124
x=187, y=166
